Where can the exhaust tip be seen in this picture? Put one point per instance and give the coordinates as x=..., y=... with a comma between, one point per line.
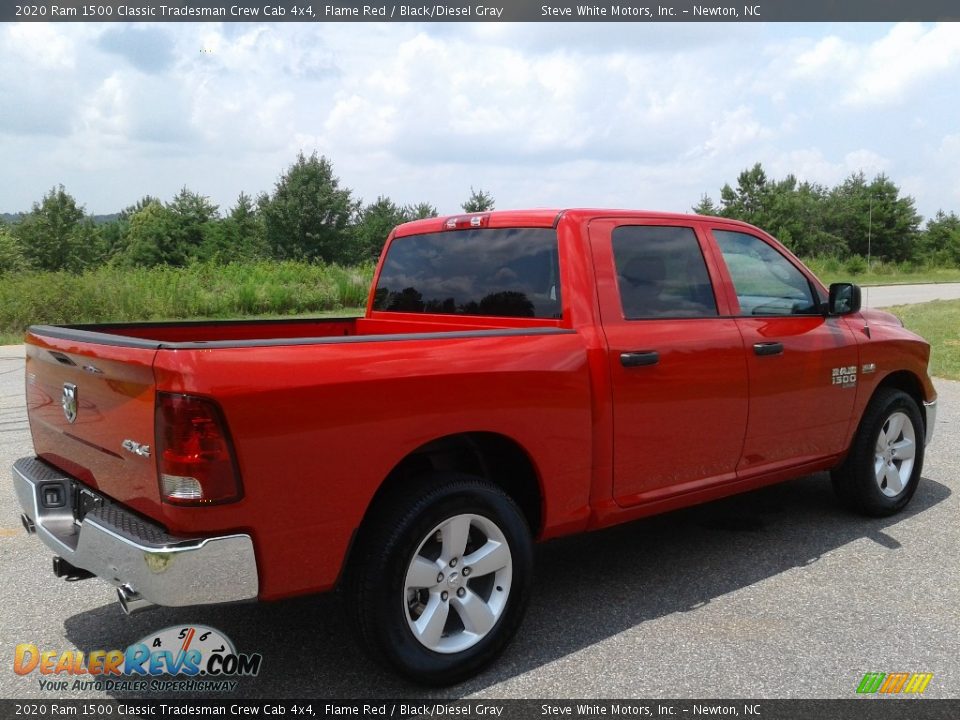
x=28, y=524
x=131, y=601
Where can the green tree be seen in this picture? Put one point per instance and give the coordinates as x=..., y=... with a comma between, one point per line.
x=873, y=218
x=706, y=206
x=191, y=212
x=748, y=201
x=308, y=214
x=89, y=244
x=47, y=234
x=113, y=237
x=251, y=240
x=853, y=217
x=139, y=205
x=374, y=223
x=152, y=238
x=793, y=213
x=479, y=201
x=420, y=211
x=12, y=258
x=239, y=236
x=941, y=238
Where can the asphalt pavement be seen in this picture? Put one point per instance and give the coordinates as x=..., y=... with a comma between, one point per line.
x=887, y=295
x=773, y=594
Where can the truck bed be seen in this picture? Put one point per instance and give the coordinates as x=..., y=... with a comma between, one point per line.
x=284, y=331
x=304, y=400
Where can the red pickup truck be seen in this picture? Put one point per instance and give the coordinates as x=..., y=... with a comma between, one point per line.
x=517, y=376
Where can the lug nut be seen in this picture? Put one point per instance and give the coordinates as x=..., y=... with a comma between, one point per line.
x=461, y=592
x=440, y=578
x=453, y=562
x=466, y=571
x=444, y=595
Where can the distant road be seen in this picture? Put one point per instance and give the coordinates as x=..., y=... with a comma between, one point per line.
x=887, y=295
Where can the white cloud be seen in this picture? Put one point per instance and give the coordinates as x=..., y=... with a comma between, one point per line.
x=825, y=58
x=735, y=130
x=105, y=113
x=866, y=161
x=440, y=99
x=42, y=45
x=885, y=71
x=539, y=114
x=948, y=161
x=811, y=165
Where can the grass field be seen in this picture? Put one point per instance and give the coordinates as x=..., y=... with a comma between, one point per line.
x=831, y=270
x=939, y=323
x=107, y=294
x=270, y=289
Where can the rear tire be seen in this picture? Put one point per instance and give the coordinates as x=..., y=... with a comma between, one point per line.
x=441, y=578
x=885, y=461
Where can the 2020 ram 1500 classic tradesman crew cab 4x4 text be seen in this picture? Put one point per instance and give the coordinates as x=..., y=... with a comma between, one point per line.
x=516, y=376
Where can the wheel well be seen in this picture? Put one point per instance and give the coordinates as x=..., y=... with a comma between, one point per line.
x=908, y=383
x=493, y=457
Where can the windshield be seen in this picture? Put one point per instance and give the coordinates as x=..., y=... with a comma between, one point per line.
x=501, y=272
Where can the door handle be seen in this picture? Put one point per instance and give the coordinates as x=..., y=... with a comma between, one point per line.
x=768, y=348
x=641, y=357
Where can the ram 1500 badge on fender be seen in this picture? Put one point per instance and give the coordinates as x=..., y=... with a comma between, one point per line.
x=517, y=376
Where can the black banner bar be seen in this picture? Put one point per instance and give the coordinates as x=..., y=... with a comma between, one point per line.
x=874, y=708
x=487, y=11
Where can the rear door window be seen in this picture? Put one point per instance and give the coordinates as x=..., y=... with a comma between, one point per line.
x=661, y=273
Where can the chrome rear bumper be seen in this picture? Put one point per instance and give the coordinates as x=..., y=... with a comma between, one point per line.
x=128, y=551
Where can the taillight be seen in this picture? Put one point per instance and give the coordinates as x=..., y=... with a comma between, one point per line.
x=195, y=459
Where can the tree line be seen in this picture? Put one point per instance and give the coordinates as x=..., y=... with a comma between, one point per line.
x=309, y=216
x=856, y=218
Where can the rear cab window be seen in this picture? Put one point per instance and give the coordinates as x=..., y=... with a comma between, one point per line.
x=495, y=272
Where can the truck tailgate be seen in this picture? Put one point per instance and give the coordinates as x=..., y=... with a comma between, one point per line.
x=85, y=401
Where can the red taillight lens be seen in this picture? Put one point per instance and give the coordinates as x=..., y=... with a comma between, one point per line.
x=195, y=460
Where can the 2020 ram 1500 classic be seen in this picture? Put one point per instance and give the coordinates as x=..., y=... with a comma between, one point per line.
x=517, y=376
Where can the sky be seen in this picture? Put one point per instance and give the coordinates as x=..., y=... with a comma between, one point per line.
x=644, y=116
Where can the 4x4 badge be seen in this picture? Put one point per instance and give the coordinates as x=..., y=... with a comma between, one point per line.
x=136, y=448
x=69, y=401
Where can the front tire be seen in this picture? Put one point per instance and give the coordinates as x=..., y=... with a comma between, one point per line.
x=883, y=468
x=441, y=578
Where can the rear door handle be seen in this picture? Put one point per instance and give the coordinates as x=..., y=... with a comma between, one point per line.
x=768, y=348
x=641, y=357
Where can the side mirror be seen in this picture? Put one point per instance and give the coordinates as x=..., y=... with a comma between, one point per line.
x=844, y=299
